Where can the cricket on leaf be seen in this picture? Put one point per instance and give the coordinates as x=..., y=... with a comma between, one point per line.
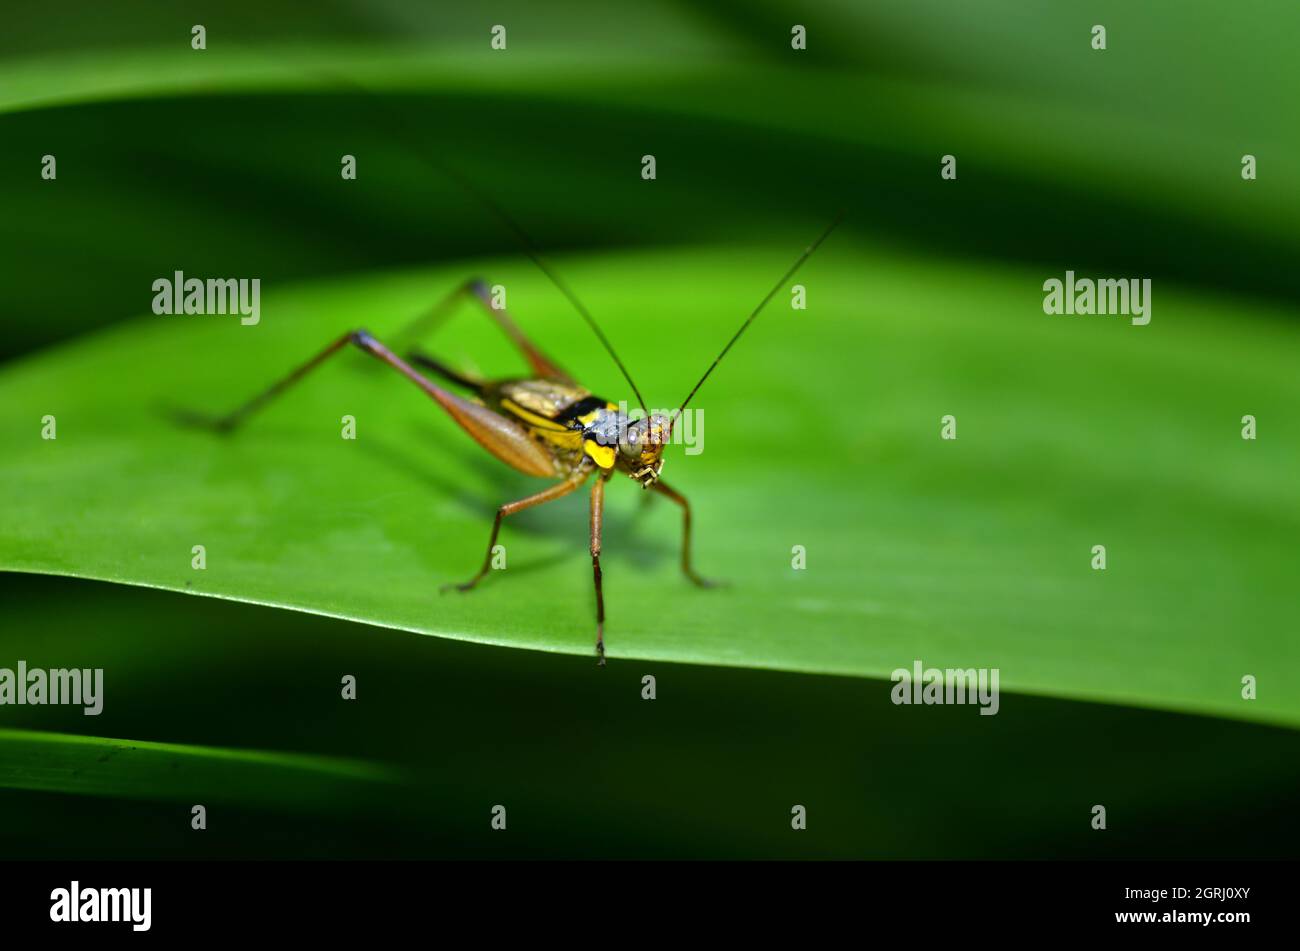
x=545, y=424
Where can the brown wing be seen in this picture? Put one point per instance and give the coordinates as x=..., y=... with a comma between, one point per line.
x=544, y=398
x=554, y=411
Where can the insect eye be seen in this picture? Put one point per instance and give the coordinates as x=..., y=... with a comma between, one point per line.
x=633, y=436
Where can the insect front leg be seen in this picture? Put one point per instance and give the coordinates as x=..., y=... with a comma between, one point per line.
x=597, y=515
x=557, y=491
x=664, y=489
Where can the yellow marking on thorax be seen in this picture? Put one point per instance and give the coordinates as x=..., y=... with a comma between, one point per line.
x=603, y=456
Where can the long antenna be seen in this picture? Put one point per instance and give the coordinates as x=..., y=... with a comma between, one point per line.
x=807, y=253
x=526, y=243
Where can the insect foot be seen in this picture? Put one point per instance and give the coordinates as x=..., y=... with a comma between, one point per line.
x=461, y=587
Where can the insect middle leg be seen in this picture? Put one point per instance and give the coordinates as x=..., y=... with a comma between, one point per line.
x=557, y=491
x=664, y=489
x=597, y=516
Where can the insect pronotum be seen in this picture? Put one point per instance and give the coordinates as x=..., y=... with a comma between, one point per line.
x=544, y=424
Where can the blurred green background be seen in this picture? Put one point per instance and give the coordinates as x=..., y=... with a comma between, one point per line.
x=1124, y=162
x=586, y=768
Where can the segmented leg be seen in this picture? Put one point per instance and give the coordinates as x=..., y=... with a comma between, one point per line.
x=499, y=435
x=542, y=365
x=664, y=489
x=597, y=514
x=557, y=491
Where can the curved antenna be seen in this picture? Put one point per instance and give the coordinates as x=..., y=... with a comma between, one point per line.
x=807, y=253
x=512, y=226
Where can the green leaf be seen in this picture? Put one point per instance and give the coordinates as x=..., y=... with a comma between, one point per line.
x=822, y=431
x=138, y=769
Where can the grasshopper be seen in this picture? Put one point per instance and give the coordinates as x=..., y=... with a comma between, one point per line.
x=544, y=424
